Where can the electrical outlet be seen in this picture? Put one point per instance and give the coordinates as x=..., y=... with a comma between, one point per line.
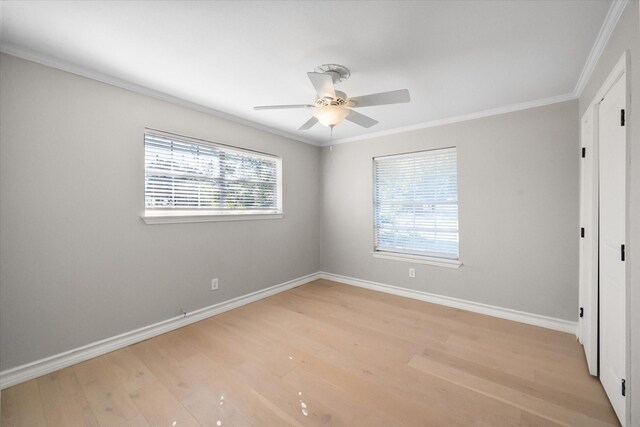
x=214, y=284
x=412, y=272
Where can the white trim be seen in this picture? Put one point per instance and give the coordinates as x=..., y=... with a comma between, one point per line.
x=476, y=307
x=586, y=293
x=588, y=245
x=417, y=259
x=462, y=118
x=607, y=28
x=53, y=363
x=611, y=19
x=50, y=364
x=609, y=24
x=175, y=218
x=48, y=61
x=618, y=70
x=104, y=78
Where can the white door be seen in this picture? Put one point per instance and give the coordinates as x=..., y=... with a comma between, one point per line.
x=588, y=273
x=612, y=160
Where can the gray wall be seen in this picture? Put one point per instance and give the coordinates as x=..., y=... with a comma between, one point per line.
x=77, y=264
x=518, y=183
x=627, y=37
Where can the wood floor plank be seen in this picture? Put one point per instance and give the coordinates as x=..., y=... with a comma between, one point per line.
x=472, y=326
x=21, y=406
x=395, y=381
x=327, y=354
x=198, y=380
x=344, y=409
x=532, y=420
x=570, y=399
x=589, y=387
x=209, y=403
x=63, y=400
x=285, y=400
x=152, y=398
x=160, y=407
x=540, y=407
x=505, y=361
x=110, y=402
x=130, y=371
x=468, y=318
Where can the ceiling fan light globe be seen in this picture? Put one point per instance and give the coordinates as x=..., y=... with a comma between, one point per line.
x=331, y=115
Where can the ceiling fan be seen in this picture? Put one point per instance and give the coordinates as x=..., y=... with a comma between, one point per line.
x=331, y=106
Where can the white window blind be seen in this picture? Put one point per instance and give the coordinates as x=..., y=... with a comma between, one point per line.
x=186, y=176
x=416, y=204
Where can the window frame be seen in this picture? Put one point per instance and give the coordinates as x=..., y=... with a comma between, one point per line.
x=408, y=256
x=177, y=215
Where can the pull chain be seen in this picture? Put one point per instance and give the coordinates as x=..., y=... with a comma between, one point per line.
x=331, y=142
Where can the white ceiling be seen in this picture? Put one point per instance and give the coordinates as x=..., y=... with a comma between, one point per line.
x=455, y=57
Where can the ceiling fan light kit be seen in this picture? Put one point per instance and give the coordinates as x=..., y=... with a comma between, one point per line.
x=330, y=107
x=331, y=115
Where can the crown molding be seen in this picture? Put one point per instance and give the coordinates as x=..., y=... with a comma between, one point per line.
x=607, y=28
x=609, y=24
x=462, y=118
x=48, y=61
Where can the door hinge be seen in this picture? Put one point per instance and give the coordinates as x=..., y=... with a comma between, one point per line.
x=584, y=152
x=581, y=312
x=582, y=232
x=624, y=387
x=622, y=254
x=622, y=117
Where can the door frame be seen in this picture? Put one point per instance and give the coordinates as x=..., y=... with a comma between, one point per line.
x=586, y=211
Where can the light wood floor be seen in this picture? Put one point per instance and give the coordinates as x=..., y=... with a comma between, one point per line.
x=326, y=354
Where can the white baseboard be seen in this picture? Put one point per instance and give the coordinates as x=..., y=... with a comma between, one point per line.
x=50, y=364
x=490, y=310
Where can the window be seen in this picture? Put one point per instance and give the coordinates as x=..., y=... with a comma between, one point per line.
x=416, y=205
x=190, y=178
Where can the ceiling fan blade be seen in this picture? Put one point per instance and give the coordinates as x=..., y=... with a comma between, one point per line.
x=323, y=83
x=281, y=107
x=393, y=97
x=361, y=119
x=308, y=124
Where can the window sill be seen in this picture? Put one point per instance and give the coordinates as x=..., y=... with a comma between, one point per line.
x=177, y=218
x=416, y=259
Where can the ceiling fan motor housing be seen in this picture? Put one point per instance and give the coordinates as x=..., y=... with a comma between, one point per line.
x=340, y=99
